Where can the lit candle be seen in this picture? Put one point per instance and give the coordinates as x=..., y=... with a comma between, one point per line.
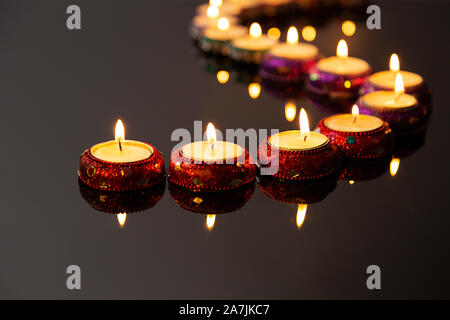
x=200, y=23
x=403, y=111
x=290, y=61
x=299, y=154
x=385, y=80
x=120, y=164
x=217, y=39
x=358, y=136
x=338, y=76
x=211, y=165
x=249, y=49
x=299, y=140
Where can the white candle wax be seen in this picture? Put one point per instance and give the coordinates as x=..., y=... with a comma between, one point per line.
x=132, y=151
x=203, y=150
x=294, y=140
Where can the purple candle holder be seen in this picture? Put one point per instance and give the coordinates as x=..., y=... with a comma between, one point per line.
x=285, y=70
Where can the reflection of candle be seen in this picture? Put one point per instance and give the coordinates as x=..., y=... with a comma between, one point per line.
x=386, y=79
x=393, y=166
x=290, y=110
x=358, y=136
x=254, y=90
x=210, y=221
x=301, y=214
x=342, y=64
x=211, y=165
x=120, y=164
x=299, y=140
x=292, y=49
x=121, y=218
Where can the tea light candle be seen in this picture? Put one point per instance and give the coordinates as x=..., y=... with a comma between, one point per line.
x=401, y=110
x=358, y=136
x=211, y=165
x=290, y=61
x=121, y=165
x=202, y=22
x=385, y=81
x=299, y=154
x=217, y=39
x=251, y=48
x=338, y=76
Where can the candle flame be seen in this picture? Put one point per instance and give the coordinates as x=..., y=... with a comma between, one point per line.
x=212, y=12
x=223, y=76
x=309, y=33
x=290, y=110
x=122, y=218
x=211, y=133
x=223, y=24
x=210, y=221
x=304, y=125
x=399, y=86
x=120, y=130
x=215, y=3
x=342, y=49
x=394, y=63
x=393, y=167
x=255, y=30
x=301, y=214
x=292, y=35
x=355, y=110
x=254, y=90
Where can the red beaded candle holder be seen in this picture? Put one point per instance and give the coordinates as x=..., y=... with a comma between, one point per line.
x=198, y=175
x=121, y=176
x=298, y=164
x=403, y=121
x=212, y=202
x=363, y=170
x=298, y=192
x=123, y=201
x=334, y=85
x=361, y=145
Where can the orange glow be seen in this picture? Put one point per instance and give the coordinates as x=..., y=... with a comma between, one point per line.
x=255, y=30
x=348, y=28
x=122, y=218
x=399, y=86
x=292, y=35
x=223, y=76
x=342, y=49
x=301, y=214
x=210, y=221
x=304, y=125
x=274, y=33
x=215, y=3
x=394, y=63
x=394, y=166
x=309, y=33
x=290, y=110
x=120, y=130
x=223, y=24
x=254, y=90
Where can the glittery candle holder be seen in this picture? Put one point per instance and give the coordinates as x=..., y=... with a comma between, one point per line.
x=122, y=201
x=298, y=165
x=121, y=176
x=284, y=91
x=333, y=85
x=298, y=192
x=361, y=145
x=421, y=92
x=332, y=105
x=212, y=202
x=363, y=170
x=200, y=175
x=403, y=121
x=286, y=70
x=245, y=56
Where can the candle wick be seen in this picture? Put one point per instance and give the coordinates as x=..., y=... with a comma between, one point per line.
x=120, y=145
x=304, y=139
x=354, y=119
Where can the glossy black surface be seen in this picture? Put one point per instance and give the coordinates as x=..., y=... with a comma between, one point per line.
x=62, y=91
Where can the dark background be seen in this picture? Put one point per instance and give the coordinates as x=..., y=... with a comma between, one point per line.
x=62, y=91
